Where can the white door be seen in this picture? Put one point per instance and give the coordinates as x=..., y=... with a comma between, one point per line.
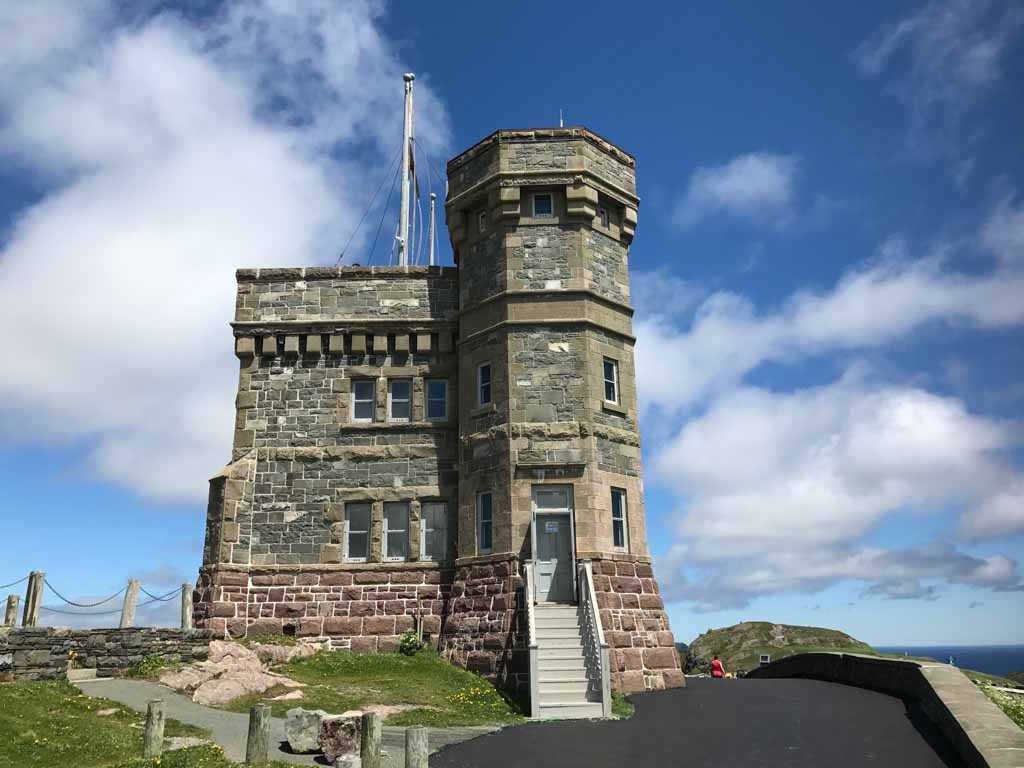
x=553, y=540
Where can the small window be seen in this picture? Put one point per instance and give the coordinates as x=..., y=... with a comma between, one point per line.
x=481, y=221
x=483, y=384
x=611, y=381
x=396, y=531
x=437, y=399
x=363, y=399
x=543, y=205
x=434, y=531
x=357, y=532
x=484, y=522
x=602, y=216
x=620, y=532
x=399, y=399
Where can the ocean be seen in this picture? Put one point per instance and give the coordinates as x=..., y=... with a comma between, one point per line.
x=993, y=659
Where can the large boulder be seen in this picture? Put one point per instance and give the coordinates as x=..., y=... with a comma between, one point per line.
x=340, y=735
x=302, y=729
x=215, y=693
x=282, y=654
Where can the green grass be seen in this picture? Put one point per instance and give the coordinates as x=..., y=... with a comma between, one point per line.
x=622, y=708
x=47, y=724
x=151, y=667
x=443, y=693
x=1011, y=703
x=251, y=640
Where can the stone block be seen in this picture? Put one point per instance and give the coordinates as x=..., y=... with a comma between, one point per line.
x=245, y=346
x=313, y=344
x=422, y=342
x=340, y=736
x=268, y=346
x=372, y=577
x=379, y=625
x=302, y=729
x=674, y=678
x=380, y=344
x=310, y=627
x=651, y=602
x=402, y=342
x=291, y=345
x=364, y=644
x=362, y=608
x=630, y=682
x=338, y=579
x=358, y=344
x=336, y=344
x=388, y=644
x=289, y=610
x=343, y=625
x=330, y=553
x=622, y=584
x=661, y=658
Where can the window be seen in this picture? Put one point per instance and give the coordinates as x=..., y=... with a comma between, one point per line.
x=611, y=381
x=437, y=399
x=396, y=531
x=484, y=522
x=620, y=533
x=434, y=531
x=399, y=399
x=481, y=221
x=363, y=399
x=357, y=532
x=483, y=384
x=602, y=216
x=543, y=205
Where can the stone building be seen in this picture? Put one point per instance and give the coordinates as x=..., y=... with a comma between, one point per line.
x=425, y=447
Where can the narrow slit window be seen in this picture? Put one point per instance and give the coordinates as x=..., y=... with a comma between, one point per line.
x=434, y=531
x=399, y=399
x=602, y=216
x=483, y=384
x=611, y=381
x=437, y=399
x=363, y=399
x=620, y=531
x=357, y=532
x=481, y=221
x=543, y=205
x=396, y=531
x=484, y=522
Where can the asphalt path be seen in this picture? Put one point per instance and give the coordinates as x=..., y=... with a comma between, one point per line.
x=725, y=724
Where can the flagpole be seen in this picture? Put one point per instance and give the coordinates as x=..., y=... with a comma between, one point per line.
x=403, y=220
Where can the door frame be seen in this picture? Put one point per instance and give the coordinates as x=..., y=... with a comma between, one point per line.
x=571, y=512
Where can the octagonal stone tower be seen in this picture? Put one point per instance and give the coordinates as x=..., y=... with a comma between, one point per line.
x=549, y=469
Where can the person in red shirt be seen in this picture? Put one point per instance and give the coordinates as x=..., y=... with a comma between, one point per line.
x=716, y=668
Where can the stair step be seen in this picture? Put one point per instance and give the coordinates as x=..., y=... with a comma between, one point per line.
x=559, y=642
x=571, y=710
x=555, y=610
x=562, y=688
x=556, y=622
x=550, y=653
x=556, y=675
x=546, y=633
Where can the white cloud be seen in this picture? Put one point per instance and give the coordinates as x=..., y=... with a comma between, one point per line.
x=663, y=293
x=195, y=147
x=758, y=187
x=1003, y=232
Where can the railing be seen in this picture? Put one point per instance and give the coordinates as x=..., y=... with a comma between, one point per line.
x=531, y=637
x=595, y=649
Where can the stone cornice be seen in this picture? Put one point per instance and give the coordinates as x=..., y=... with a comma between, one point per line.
x=340, y=325
x=267, y=275
x=515, y=135
x=545, y=177
x=548, y=322
x=549, y=296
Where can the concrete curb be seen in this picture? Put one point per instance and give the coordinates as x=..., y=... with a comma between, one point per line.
x=978, y=730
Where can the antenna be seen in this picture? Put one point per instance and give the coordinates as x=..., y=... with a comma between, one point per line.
x=407, y=133
x=430, y=236
x=561, y=122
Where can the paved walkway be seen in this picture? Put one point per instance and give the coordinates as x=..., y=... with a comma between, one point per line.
x=230, y=729
x=735, y=723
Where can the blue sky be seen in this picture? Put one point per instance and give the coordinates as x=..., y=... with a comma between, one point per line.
x=828, y=273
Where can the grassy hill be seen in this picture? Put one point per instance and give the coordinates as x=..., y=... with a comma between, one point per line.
x=740, y=646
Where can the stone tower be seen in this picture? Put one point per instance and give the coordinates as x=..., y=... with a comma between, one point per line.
x=410, y=442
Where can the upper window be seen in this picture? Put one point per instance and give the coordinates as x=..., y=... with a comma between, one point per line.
x=620, y=531
x=483, y=384
x=437, y=399
x=357, y=532
x=481, y=221
x=396, y=531
x=484, y=522
x=363, y=399
x=399, y=399
x=543, y=205
x=434, y=531
x=611, y=381
x=602, y=216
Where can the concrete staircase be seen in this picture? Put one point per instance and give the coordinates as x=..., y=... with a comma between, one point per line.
x=565, y=684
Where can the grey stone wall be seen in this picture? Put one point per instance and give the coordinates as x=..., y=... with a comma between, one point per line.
x=541, y=261
x=483, y=269
x=42, y=653
x=540, y=155
x=609, y=275
x=548, y=368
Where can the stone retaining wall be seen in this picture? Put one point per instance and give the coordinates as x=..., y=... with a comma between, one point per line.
x=975, y=727
x=41, y=653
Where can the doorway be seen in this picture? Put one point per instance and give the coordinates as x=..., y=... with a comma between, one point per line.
x=554, y=544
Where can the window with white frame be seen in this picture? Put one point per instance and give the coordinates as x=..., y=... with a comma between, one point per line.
x=620, y=531
x=481, y=221
x=437, y=399
x=543, y=205
x=602, y=216
x=484, y=522
x=357, y=532
x=611, y=381
x=399, y=399
x=396, y=531
x=434, y=531
x=364, y=399
x=483, y=384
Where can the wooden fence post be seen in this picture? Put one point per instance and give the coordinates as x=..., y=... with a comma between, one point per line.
x=186, y=606
x=11, y=614
x=131, y=596
x=369, y=750
x=33, y=599
x=257, y=746
x=417, y=747
x=153, y=740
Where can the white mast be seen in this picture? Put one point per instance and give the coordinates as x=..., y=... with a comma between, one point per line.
x=403, y=221
x=430, y=232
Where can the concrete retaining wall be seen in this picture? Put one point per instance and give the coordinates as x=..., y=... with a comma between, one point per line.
x=977, y=729
x=41, y=653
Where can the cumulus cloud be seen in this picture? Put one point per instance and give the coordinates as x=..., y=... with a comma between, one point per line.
x=1003, y=232
x=174, y=149
x=758, y=187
